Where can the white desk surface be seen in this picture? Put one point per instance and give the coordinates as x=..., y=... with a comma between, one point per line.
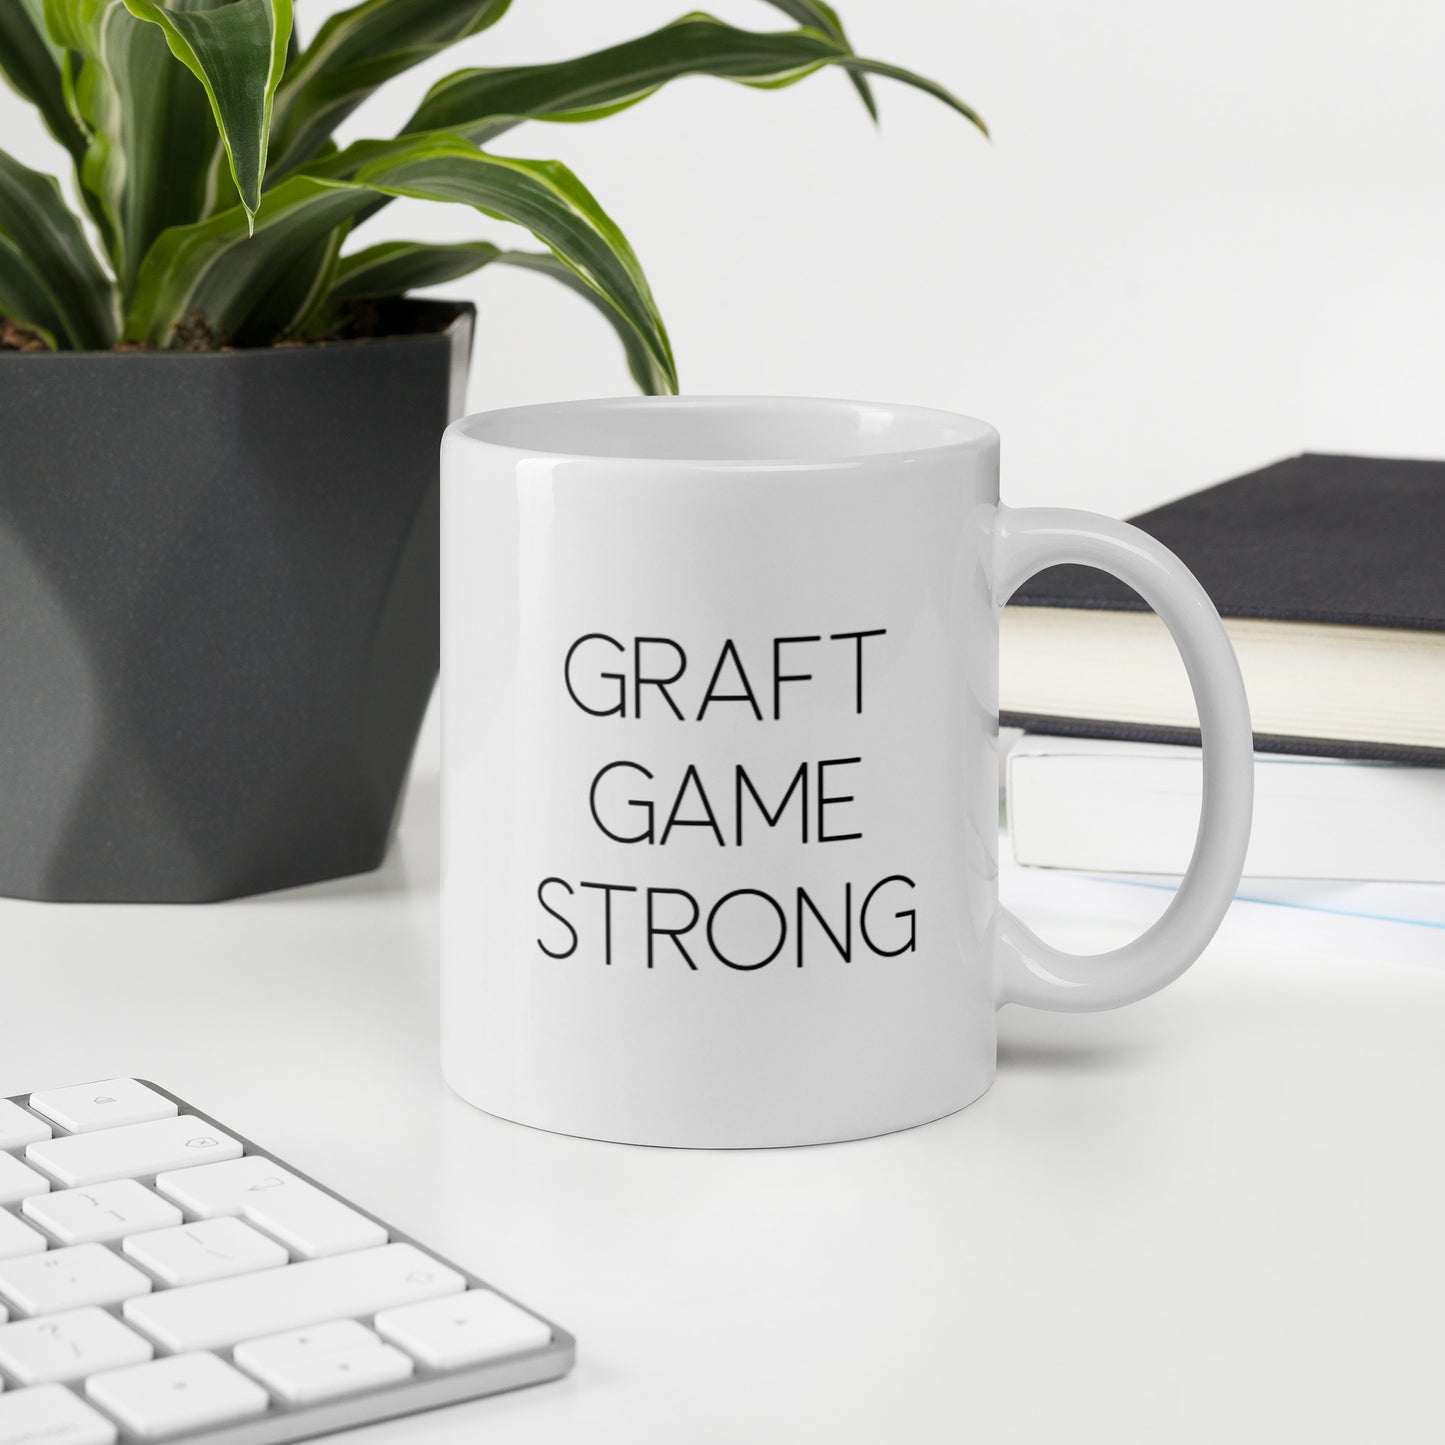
x=1216, y=1215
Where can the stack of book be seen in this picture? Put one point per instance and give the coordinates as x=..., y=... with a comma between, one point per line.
x=1329, y=572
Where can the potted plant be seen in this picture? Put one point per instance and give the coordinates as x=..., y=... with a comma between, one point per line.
x=218, y=432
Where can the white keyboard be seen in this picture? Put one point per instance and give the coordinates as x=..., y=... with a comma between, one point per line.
x=163, y=1279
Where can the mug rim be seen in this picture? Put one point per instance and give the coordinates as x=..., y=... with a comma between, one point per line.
x=881, y=432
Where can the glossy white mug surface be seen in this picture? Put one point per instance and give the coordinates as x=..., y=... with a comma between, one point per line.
x=720, y=728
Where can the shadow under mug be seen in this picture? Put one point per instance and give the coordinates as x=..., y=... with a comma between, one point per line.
x=719, y=798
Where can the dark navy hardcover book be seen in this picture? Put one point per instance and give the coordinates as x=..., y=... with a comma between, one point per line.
x=1341, y=540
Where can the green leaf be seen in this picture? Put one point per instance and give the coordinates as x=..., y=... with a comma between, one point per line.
x=481, y=104
x=48, y=263
x=543, y=196
x=297, y=301
x=859, y=65
x=642, y=364
x=817, y=16
x=24, y=298
x=237, y=50
x=220, y=274
x=395, y=267
x=210, y=270
x=149, y=163
x=31, y=64
x=356, y=51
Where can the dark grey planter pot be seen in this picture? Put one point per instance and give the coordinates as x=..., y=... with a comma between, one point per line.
x=218, y=610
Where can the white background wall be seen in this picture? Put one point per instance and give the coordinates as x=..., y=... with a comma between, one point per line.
x=1202, y=237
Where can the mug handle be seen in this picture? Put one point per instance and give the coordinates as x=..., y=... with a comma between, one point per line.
x=1032, y=972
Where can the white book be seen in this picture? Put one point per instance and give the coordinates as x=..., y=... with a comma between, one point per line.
x=1105, y=806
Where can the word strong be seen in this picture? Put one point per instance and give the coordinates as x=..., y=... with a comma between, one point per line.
x=660, y=682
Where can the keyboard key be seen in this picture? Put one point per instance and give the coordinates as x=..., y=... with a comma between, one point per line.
x=227, y=1311
x=210, y=1249
x=132, y=1150
x=303, y=1367
x=67, y=1347
x=469, y=1329
x=51, y=1415
x=307, y=1220
x=18, y=1181
x=18, y=1128
x=101, y=1213
x=18, y=1238
x=172, y=1396
x=67, y=1279
x=274, y=1351
x=83, y=1108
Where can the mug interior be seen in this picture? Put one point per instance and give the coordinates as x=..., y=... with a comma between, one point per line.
x=782, y=431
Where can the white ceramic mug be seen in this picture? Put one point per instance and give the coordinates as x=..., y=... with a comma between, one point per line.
x=720, y=720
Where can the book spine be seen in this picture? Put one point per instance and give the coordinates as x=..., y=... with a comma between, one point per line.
x=1077, y=727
